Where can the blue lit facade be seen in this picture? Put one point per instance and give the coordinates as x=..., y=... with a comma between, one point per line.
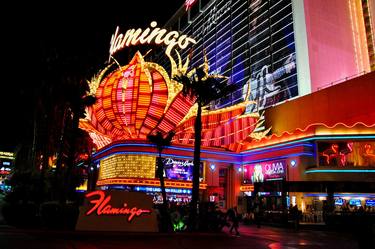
x=249, y=41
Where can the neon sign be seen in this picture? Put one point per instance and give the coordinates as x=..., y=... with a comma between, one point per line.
x=147, y=36
x=102, y=207
x=180, y=169
x=189, y=4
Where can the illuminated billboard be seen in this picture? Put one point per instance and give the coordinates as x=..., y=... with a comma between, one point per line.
x=176, y=169
x=252, y=43
x=264, y=171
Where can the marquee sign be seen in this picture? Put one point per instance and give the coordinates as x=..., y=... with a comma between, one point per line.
x=117, y=211
x=176, y=169
x=149, y=35
x=264, y=171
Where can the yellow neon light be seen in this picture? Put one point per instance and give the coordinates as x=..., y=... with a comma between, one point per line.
x=148, y=182
x=247, y=188
x=134, y=166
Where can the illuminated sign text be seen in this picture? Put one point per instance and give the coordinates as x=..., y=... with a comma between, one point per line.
x=147, y=36
x=102, y=206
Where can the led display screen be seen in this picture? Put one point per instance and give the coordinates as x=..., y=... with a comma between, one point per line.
x=339, y=201
x=370, y=203
x=252, y=43
x=355, y=202
x=264, y=171
x=177, y=169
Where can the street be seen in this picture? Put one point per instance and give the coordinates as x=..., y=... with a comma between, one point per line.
x=251, y=237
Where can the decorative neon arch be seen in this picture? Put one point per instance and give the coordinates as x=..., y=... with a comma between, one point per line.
x=140, y=99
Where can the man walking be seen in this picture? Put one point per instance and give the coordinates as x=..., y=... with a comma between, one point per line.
x=233, y=216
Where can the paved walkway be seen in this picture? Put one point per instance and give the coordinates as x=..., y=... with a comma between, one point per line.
x=251, y=238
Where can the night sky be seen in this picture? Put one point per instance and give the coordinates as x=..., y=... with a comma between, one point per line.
x=38, y=39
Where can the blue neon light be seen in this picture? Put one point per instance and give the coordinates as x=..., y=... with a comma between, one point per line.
x=261, y=151
x=355, y=195
x=340, y=171
x=167, y=147
x=157, y=189
x=311, y=139
x=165, y=155
x=279, y=157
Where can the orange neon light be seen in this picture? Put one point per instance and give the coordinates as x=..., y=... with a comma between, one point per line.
x=247, y=188
x=368, y=151
x=148, y=182
x=140, y=99
x=309, y=131
x=102, y=207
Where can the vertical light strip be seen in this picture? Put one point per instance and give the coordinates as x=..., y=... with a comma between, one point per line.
x=302, y=49
x=369, y=31
x=354, y=35
x=358, y=37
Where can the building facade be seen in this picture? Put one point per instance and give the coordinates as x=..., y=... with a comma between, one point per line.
x=307, y=67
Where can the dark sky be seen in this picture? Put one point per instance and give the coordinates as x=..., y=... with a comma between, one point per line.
x=36, y=38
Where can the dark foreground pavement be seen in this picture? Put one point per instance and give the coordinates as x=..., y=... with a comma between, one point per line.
x=251, y=238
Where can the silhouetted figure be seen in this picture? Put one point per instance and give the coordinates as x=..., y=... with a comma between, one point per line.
x=233, y=216
x=295, y=216
x=257, y=214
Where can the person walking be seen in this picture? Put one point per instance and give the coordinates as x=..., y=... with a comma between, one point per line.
x=295, y=215
x=233, y=216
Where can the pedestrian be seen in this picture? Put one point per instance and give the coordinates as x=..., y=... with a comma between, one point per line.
x=233, y=216
x=257, y=214
x=295, y=215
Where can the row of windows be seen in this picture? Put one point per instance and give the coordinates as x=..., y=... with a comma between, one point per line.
x=241, y=38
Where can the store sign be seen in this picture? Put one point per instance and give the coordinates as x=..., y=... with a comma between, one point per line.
x=117, y=211
x=148, y=36
x=264, y=171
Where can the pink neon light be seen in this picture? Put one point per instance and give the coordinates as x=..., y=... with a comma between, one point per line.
x=189, y=4
x=102, y=207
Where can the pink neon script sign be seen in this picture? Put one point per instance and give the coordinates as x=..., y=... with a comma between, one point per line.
x=102, y=206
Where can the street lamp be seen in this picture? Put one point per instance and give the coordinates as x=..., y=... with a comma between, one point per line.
x=212, y=168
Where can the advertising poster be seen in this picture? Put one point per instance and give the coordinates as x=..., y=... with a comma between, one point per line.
x=264, y=171
x=272, y=54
